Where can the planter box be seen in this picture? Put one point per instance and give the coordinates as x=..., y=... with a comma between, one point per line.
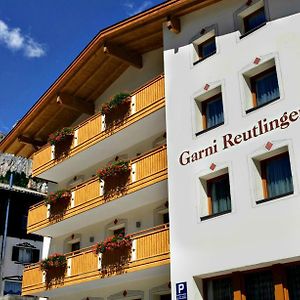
x=55, y=276
x=58, y=208
x=63, y=147
x=117, y=184
x=117, y=114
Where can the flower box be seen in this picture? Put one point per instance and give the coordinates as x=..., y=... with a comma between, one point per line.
x=116, y=177
x=117, y=109
x=62, y=140
x=59, y=202
x=55, y=267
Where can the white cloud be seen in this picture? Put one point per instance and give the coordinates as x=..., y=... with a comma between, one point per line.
x=14, y=40
x=134, y=8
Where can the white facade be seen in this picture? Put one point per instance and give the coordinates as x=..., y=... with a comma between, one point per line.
x=252, y=235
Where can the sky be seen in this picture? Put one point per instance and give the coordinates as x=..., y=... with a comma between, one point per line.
x=40, y=38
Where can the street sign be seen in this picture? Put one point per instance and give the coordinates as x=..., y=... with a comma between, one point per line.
x=181, y=291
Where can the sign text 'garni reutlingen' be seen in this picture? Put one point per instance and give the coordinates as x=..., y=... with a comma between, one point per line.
x=229, y=140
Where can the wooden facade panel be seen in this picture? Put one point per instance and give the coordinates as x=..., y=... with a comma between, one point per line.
x=150, y=94
x=84, y=263
x=41, y=157
x=152, y=244
x=32, y=276
x=89, y=130
x=87, y=192
x=151, y=164
x=37, y=214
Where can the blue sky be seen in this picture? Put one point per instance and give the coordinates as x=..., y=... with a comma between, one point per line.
x=40, y=38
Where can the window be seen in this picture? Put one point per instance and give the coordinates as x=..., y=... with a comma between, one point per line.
x=75, y=246
x=254, y=20
x=119, y=231
x=207, y=48
x=293, y=282
x=12, y=287
x=259, y=285
x=264, y=87
x=261, y=85
x=219, y=289
x=204, y=44
x=276, y=177
x=212, y=110
x=251, y=17
x=25, y=255
x=209, y=111
x=218, y=196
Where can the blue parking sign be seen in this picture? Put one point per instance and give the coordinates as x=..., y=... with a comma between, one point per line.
x=181, y=290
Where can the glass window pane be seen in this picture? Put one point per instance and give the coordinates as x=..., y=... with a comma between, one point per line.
x=12, y=288
x=293, y=282
x=220, y=195
x=220, y=289
x=266, y=88
x=214, y=112
x=259, y=286
x=208, y=48
x=279, y=176
x=254, y=20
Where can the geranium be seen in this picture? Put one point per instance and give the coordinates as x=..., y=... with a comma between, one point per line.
x=114, y=102
x=57, y=196
x=59, y=135
x=115, y=168
x=112, y=242
x=55, y=260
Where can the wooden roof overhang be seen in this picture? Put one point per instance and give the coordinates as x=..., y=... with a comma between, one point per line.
x=104, y=59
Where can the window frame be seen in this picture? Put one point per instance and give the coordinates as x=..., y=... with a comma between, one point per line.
x=200, y=49
x=263, y=165
x=246, y=18
x=34, y=253
x=253, y=81
x=209, y=183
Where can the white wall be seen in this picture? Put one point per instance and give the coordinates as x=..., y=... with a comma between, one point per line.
x=251, y=235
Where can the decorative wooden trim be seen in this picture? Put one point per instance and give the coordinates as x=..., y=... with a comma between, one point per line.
x=75, y=103
x=125, y=55
x=31, y=141
x=174, y=25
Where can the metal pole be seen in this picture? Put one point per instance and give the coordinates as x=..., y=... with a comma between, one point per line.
x=5, y=232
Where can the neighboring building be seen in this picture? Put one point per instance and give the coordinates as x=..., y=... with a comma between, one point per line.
x=17, y=248
x=232, y=186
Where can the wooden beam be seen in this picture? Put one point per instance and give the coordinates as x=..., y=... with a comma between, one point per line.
x=74, y=103
x=173, y=24
x=30, y=141
x=125, y=55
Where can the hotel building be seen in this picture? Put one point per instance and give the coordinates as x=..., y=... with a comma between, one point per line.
x=207, y=137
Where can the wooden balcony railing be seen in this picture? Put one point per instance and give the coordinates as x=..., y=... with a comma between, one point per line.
x=146, y=170
x=144, y=101
x=149, y=249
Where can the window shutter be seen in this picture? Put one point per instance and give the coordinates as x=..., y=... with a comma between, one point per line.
x=15, y=254
x=35, y=255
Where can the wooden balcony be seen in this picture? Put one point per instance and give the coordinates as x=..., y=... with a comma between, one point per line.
x=146, y=170
x=144, y=101
x=150, y=248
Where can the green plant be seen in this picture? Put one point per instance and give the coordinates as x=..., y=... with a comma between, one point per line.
x=112, y=242
x=115, y=168
x=59, y=135
x=57, y=196
x=114, y=102
x=55, y=260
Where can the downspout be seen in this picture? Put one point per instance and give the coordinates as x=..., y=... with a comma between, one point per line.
x=4, y=239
